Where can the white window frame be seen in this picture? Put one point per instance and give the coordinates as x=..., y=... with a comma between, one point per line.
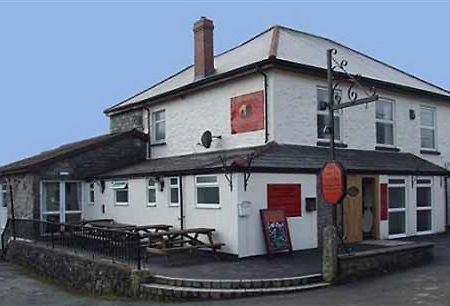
x=91, y=191
x=62, y=201
x=209, y=184
x=337, y=114
x=154, y=188
x=425, y=208
x=155, y=122
x=120, y=185
x=386, y=121
x=402, y=209
x=3, y=194
x=434, y=128
x=177, y=186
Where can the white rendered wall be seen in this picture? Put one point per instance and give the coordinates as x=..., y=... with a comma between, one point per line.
x=295, y=117
x=209, y=109
x=137, y=212
x=303, y=230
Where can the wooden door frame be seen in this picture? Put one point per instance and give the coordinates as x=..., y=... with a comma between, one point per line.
x=376, y=205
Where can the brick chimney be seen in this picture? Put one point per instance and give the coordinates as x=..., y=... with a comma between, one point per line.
x=203, y=47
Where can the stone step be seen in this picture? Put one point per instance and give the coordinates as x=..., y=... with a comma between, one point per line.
x=168, y=292
x=236, y=283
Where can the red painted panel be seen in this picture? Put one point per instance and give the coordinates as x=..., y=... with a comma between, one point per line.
x=383, y=201
x=333, y=182
x=247, y=112
x=287, y=197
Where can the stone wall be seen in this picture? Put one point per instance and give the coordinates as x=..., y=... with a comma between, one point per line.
x=378, y=261
x=25, y=196
x=75, y=271
x=126, y=121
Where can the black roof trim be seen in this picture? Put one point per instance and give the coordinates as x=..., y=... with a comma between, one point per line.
x=254, y=68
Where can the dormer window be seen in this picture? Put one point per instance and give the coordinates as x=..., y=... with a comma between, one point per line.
x=159, y=126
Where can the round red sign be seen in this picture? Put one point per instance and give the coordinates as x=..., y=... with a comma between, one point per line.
x=332, y=182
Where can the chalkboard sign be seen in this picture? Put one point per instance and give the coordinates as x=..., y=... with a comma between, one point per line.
x=276, y=230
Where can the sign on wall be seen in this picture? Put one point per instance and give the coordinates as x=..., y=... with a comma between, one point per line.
x=286, y=197
x=332, y=182
x=247, y=112
x=276, y=230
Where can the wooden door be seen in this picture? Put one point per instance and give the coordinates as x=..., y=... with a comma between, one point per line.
x=353, y=211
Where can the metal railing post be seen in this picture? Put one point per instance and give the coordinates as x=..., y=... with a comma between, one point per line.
x=138, y=245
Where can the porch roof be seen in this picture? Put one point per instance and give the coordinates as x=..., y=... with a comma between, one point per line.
x=280, y=158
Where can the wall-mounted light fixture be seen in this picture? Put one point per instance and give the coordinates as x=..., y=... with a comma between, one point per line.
x=412, y=114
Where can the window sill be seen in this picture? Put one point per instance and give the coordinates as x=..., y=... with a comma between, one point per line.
x=388, y=149
x=158, y=144
x=429, y=152
x=120, y=204
x=207, y=206
x=174, y=205
x=323, y=143
x=151, y=204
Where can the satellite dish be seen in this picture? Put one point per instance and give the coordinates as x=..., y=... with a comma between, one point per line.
x=206, y=139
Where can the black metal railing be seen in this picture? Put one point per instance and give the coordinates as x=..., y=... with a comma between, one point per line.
x=118, y=245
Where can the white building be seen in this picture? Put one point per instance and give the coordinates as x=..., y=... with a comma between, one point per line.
x=260, y=102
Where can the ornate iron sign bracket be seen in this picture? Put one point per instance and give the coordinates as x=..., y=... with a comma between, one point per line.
x=338, y=76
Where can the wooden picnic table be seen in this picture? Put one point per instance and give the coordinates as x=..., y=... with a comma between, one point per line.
x=166, y=242
x=111, y=224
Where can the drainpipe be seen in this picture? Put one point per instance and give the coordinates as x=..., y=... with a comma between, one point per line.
x=180, y=179
x=266, y=136
x=148, y=134
x=446, y=199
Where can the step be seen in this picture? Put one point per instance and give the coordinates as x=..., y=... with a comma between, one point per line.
x=237, y=283
x=168, y=292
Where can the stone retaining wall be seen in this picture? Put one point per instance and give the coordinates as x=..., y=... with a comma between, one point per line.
x=373, y=262
x=78, y=272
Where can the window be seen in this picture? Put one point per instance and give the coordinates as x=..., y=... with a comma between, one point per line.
x=151, y=192
x=207, y=191
x=428, y=128
x=397, y=208
x=174, y=189
x=120, y=192
x=322, y=115
x=424, y=206
x=92, y=193
x=3, y=193
x=385, y=122
x=61, y=201
x=159, y=126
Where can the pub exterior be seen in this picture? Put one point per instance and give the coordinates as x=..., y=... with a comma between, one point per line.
x=242, y=131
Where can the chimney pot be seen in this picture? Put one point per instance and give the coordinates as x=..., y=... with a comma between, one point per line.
x=203, y=47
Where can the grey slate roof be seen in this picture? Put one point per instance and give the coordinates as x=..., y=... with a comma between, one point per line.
x=278, y=158
x=292, y=46
x=66, y=150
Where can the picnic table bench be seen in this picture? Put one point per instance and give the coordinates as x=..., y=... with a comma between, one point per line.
x=171, y=241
